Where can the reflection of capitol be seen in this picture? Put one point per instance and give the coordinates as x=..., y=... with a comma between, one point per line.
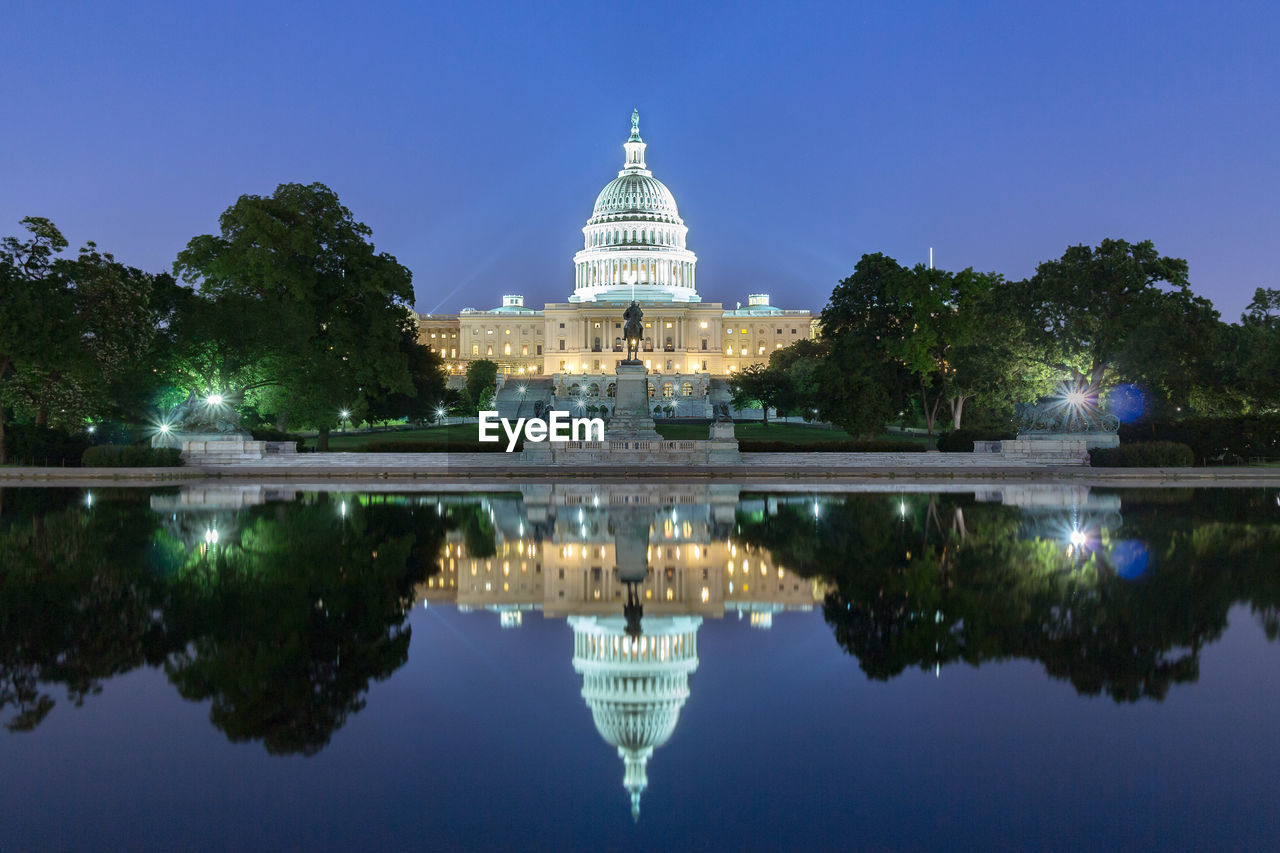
x=635, y=686
x=635, y=571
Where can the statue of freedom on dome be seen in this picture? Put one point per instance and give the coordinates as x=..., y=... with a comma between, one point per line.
x=632, y=330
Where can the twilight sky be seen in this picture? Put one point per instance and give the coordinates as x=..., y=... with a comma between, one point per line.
x=473, y=137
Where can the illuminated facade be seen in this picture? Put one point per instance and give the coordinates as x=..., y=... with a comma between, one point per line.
x=634, y=245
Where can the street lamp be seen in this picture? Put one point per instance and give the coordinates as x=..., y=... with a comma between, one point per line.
x=343, y=415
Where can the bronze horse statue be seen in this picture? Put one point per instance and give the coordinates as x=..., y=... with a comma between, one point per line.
x=632, y=331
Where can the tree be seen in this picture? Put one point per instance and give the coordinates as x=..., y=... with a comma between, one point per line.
x=1118, y=312
x=764, y=386
x=482, y=376
x=327, y=311
x=78, y=336
x=35, y=308
x=864, y=389
x=426, y=373
x=1259, y=347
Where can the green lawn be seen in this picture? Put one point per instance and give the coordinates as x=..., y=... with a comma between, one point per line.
x=434, y=435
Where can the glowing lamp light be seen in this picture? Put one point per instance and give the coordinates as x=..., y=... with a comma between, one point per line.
x=92, y=429
x=214, y=399
x=1077, y=538
x=344, y=414
x=164, y=427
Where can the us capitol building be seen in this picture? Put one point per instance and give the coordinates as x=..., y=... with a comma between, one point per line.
x=635, y=245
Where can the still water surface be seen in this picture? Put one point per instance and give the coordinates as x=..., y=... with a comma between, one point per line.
x=639, y=668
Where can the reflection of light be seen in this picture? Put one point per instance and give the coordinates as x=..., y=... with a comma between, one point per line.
x=1078, y=538
x=902, y=509
x=211, y=536
x=342, y=509
x=816, y=511
x=88, y=498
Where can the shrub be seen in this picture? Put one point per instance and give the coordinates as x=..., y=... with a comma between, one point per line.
x=26, y=444
x=1143, y=454
x=131, y=456
x=272, y=434
x=961, y=440
x=1214, y=439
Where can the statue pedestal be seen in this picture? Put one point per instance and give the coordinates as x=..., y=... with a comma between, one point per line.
x=1090, y=439
x=631, y=417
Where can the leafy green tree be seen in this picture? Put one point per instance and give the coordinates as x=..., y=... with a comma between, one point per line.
x=35, y=309
x=328, y=311
x=1120, y=311
x=79, y=335
x=1259, y=346
x=764, y=386
x=426, y=372
x=864, y=389
x=482, y=377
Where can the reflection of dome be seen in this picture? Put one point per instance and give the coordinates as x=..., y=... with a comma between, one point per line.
x=634, y=242
x=635, y=688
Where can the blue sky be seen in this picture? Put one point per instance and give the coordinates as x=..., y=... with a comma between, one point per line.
x=473, y=137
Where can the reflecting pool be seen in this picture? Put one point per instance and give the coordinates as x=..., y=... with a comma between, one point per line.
x=638, y=667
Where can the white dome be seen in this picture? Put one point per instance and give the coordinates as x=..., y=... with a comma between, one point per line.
x=634, y=243
x=638, y=197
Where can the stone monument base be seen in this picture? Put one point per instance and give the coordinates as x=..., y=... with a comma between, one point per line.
x=631, y=418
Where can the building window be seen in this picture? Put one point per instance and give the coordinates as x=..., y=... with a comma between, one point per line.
x=488, y=350
x=562, y=325
x=562, y=345
x=539, y=349
x=686, y=390
x=475, y=349
x=506, y=348
x=704, y=344
x=524, y=349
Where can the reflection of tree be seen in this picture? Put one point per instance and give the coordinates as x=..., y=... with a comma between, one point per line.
x=281, y=622
x=77, y=605
x=907, y=588
x=288, y=623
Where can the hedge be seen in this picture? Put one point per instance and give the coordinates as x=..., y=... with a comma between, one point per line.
x=131, y=456
x=25, y=444
x=961, y=440
x=1143, y=454
x=273, y=434
x=1211, y=440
